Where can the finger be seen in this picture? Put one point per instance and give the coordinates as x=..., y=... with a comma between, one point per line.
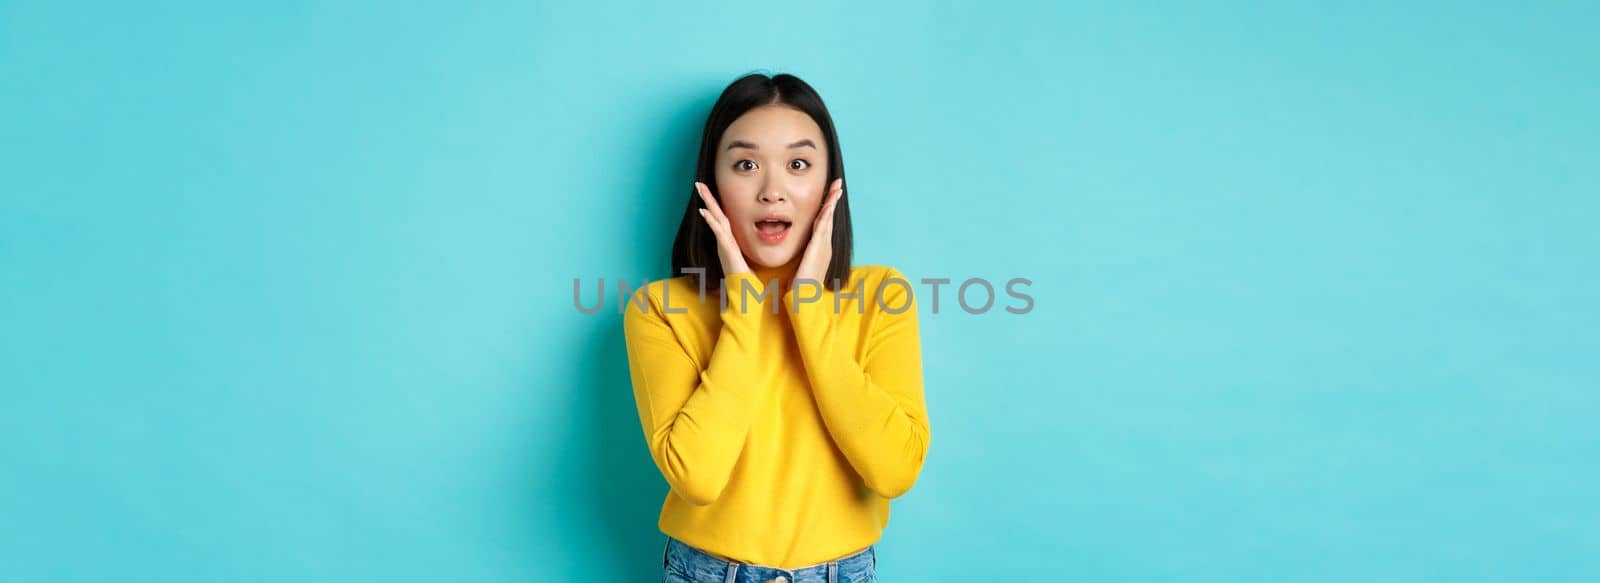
x=824, y=228
x=711, y=202
x=716, y=229
x=838, y=191
x=833, y=202
x=822, y=210
x=714, y=211
x=705, y=196
x=820, y=249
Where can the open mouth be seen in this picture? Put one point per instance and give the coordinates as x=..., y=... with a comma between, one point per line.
x=772, y=230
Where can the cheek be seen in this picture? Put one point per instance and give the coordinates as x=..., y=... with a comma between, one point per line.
x=735, y=197
x=811, y=202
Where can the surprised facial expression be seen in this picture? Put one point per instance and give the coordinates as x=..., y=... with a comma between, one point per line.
x=772, y=173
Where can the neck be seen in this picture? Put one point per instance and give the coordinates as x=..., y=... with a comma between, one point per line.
x=783, y=273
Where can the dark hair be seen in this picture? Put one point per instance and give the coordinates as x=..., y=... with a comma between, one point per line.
x=696, y=244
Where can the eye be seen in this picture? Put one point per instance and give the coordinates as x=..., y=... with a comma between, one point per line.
x=799, y=164
x=744, y=165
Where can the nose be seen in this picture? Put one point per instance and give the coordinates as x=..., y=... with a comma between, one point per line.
x=772, y=194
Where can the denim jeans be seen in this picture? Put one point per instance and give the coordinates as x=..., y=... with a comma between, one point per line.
x=685, y=564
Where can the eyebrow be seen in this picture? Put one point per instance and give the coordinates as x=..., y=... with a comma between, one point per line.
x=806, y=143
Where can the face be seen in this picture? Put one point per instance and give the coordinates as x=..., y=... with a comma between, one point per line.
x=772, y=173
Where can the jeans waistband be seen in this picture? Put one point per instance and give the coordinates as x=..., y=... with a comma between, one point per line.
x=704, y=564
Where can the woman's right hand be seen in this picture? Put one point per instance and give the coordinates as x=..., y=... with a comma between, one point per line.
x=727, y=248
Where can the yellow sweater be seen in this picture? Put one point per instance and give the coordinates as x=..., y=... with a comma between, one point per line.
x=782, y=436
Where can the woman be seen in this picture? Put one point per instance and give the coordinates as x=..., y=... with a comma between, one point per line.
x=786, y=411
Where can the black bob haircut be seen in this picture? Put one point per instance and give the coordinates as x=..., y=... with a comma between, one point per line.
x=696, y=244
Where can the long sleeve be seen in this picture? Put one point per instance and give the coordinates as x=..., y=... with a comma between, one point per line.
x=695, y=421
x=874, y=409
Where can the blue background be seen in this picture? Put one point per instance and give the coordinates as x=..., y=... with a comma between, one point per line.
x=286, y=288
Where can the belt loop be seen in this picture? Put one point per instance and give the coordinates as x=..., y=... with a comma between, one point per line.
x=733, y=572
x=833, y=571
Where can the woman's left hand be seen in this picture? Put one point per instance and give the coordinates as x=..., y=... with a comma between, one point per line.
x=819, y=251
